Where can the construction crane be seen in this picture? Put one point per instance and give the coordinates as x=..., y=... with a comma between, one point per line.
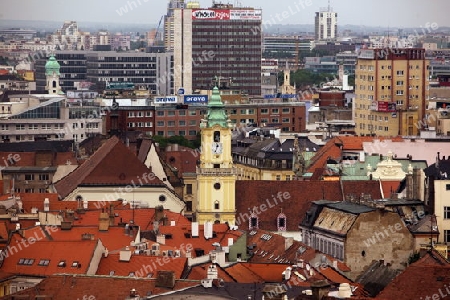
x=157, y=30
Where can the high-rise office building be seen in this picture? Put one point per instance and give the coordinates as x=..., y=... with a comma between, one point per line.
x=222, y=41
x=326, y=24
x=390, y=91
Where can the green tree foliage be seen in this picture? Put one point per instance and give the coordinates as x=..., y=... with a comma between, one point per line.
x=304, y=78
x=176, y=139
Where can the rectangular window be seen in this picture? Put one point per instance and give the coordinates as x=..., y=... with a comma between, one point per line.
x=286, y=110
x=181, y=133
x=149, y=114
x=399, y=92
x=192, y=113
x=192, y=123
x=170, y=133
x=400, y=73
x=160, y=123
x=264, y=111
x=160, y=113
x=192, y=132
x=189, y=189
x=171, y=113
x=43, y=177
x=446, y=236
x=447, y=187
x=149, y=124
x=171, y=123
x=275, y=110
x=29, y=176
x=181, y=112
x=446, y=212
x=182, y=123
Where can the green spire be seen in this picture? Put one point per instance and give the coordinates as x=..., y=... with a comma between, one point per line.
x=52, y=66
x=216, y=111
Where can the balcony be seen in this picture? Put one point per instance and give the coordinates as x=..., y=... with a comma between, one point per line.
x=216, y=171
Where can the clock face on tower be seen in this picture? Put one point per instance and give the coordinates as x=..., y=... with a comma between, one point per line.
x=216, y=148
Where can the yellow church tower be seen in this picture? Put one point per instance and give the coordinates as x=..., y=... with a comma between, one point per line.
x=216, y=175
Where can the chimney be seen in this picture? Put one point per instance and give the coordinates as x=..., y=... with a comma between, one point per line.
x=165, y=279
x=194, y=229
x=416, y=183
x=212, y=272
x=161, y=239
x=345, y=290
x=320, y=289
x=111, y=215
x=46, y=204
x=288, y=242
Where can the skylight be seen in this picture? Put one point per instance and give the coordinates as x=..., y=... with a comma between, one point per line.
x=62, y=264
x=44, y=262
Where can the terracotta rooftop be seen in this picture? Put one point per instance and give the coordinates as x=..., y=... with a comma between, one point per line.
x=112, y=164
x=43, y=256
x=176, y=236
x=142, y=266
x=259, y=195
x=428, y=278
x=199, y=272
x=99, y=287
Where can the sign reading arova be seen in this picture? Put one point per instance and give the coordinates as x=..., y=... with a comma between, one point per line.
x=170, y=99
x=210, y=14
x=191, y=99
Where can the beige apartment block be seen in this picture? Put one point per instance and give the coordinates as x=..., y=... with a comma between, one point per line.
x=391, y=87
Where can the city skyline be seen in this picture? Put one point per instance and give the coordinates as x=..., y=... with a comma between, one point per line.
x=384, y=13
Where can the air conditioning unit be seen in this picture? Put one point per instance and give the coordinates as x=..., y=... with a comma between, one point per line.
x=156, y=253
x=177, y=253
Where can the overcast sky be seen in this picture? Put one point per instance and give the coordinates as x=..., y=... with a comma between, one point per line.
x=395, y=13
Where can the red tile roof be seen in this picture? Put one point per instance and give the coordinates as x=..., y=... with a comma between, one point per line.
x=389, y=187
x=242, y=274
x=178, y=237
x=114, y=239
x=141, y=265
x=112, y=164
x=142, y=217
x=427, y=278
x=28, y=159
x=334, y=147
x=256, y=194
x=54, y=251
x=99, y=287
x=199, y=272
x=184, y=159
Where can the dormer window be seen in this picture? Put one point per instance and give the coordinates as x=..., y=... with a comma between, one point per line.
x=281, y=222
x=253, y=222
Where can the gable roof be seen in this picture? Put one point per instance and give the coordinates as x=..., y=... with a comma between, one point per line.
x=113, y=164
x=199, y=272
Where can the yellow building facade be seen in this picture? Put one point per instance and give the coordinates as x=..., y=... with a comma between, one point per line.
x=391, y=91
x=216, y=174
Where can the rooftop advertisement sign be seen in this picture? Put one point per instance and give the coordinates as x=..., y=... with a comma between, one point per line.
x=168, y=99
x=192, y=99
x=210, y=14
x=245, y=14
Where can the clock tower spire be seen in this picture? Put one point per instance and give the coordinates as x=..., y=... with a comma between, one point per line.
x=216, y=174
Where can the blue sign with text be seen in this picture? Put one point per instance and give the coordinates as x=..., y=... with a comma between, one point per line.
x=191, y=99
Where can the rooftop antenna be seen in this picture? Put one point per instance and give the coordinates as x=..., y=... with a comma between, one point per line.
x=329, y=6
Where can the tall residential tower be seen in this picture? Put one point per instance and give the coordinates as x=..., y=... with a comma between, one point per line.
x=391, y=91
x=326, y=24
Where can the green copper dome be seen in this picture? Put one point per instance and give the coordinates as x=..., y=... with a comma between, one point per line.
x=52, y=66
x=216, y=110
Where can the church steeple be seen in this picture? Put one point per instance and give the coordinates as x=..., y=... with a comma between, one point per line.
x=52, y=75
x=216, y=111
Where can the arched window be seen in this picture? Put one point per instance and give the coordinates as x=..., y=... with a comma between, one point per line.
x=281, y=222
